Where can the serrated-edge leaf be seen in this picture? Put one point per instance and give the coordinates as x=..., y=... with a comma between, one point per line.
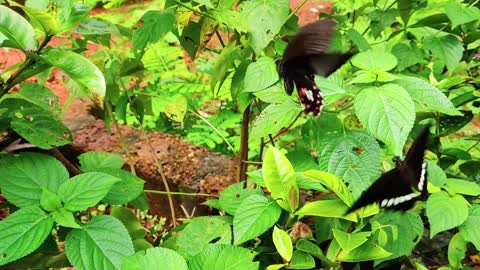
x=257, y=216
x=427, y=96
x=23, y=232
x=85, y=190
x=152, y=258
x=33, y=170
x=101, y=244
x=445, y=212
x=388, y=113
x=350, y=241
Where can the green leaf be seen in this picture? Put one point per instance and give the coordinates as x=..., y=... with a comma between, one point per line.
x=350, y=241
x=129, y=220
x=352, y=156
x=96, y=26
x=232, y=197
x=279, y=178
x=407, y=55
x=301, y=260
x=457, y=247
x=80, y=69
x=273, y=94
x=426, y=96
x=223, y=66
x=224, y=257
x=33, y=170
x=22, y=232
x=124, y=191
x=18, y=31
x=200, y=233
x=93, y=160
x=331, y=91
x=327, y=208
x=257, y=216
x=405, y=9
x=152, y=258
x=388, y=113
x=367, y=251
x=155, y=25
x=333, y=183
x=37, y=125
x=70, y=13
x=264, y=19
x=459, y=14
x=42, y=21
x=282, y=243
x=447, y=49
x=460, y=186
x=445, y=212
x=363, y=76
x=375, y=59
x=315, y=129
x=85, y=190
x=358, y=40
x=49, y=200
x=101, y=244
x=38, y=95
x=470, y=230
x=312, y=249
x=260, y=75
x=409, y=231
x=273, y=119
x=435, y=174
x=65, y=218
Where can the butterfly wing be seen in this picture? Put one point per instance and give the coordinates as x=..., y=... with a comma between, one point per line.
x=395, y=189
x=389, y=191
x=313, y=38
x=310, y=96
x=415, y=161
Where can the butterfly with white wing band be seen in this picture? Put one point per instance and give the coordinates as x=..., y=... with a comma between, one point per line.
x=401, y=187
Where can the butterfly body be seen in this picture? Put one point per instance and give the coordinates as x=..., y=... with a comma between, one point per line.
x=305, y=56
x=400, y=188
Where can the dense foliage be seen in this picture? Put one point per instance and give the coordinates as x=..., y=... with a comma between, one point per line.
x=205, y=70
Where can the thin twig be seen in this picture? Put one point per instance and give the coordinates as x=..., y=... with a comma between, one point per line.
x=70, y=167
x=296, y=9
x=178, y=193
x=121, y=138
x=283, y=131
x=215, y=129
x=220, y=38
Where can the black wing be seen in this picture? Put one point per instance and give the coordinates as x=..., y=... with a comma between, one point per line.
x=396, y=188
x=390, y=191
x=308, y=50
x=314, y=38
x=415, y=161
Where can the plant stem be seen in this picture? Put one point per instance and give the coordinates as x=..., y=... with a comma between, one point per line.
x=283, y=131
x=242, y=172
x=59, y=155
x=121, y=138
x=220, y=38
x=179, y=193
x=296, y=9
x=157, y=163
x=193, y=10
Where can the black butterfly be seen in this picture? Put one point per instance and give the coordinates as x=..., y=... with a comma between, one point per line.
x=396, y=188
x=306, y=56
